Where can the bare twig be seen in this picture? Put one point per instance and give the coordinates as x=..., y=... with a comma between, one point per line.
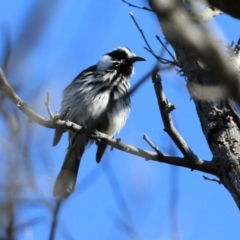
x=160, y=59
x=204, y=166
x=55, y=219
x=47, y=104
x=132, y=5
x=113, y=142
x=169, y=108
x=164, y=46
x=212, y=179
x=164, y=107
x=53, y=123
x=154, y=147
x=33, y=116
x=149, y=49
x=189, y=45
x=141, y=31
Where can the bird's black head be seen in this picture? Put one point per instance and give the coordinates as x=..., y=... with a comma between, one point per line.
x=120, y=59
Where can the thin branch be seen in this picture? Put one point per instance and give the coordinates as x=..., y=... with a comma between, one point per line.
x=203, y=166
x=177, y=33
x=142, y=33
x=47, y=104
x=212, y=179
x=55, y=219
x=148, y=48
x=33, y=116
x=115, y=143
x=132, y=5
x=160, y=59
x=57, y=123
x=153, y=146
x=165, y=109
x=164, y=46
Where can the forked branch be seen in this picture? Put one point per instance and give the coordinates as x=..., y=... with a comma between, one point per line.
x=165, y=109
x=203, y=166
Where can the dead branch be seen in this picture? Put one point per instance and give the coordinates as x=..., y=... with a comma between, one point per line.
x=47, y=104
x=33, y=116
x=204, y=166
x=165, y=109
x=148, y=48
x=212, y=179
x=135, y=6
x=195, y=52
x=153, y=146
x=56, y=211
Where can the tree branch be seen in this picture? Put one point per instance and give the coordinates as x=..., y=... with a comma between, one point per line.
x=132, y=5
x=153, y=146
x=212, y=179
x=165, y=109
x=163, y=45
x=149, y=49
x=195, y=53
x=33, y=116
x=47, y=104
x=200, y=43
x=55, y=219
x=203, y=166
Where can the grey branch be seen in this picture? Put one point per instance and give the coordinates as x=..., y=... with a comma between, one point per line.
x=47, y=104
x=200, y=43
x=203, y=166
x=33, y=116
x=212, y=179
x=165, y=109
x=153, y=146
x=203, y=63
x=165, y=47
x=135, y=6
x=148, y=48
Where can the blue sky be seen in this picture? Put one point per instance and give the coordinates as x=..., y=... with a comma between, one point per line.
x=158, y=201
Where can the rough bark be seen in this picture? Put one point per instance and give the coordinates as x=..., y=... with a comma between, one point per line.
x=230, y=7
x=219, y=120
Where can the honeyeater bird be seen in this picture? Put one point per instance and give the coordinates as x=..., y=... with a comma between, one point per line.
x=85, y=101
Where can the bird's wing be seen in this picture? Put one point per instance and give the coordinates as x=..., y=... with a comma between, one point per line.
x=84, y=99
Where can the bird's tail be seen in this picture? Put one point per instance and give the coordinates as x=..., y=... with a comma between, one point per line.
x=67, y=177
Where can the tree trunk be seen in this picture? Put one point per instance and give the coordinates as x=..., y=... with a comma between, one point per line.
x=219, y=120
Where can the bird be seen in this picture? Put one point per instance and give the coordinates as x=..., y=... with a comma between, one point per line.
x=86, y=101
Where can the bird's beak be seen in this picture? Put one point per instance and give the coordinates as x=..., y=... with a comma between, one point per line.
x=136, y=59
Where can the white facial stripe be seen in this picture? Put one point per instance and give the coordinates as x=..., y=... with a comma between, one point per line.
x=104, y=63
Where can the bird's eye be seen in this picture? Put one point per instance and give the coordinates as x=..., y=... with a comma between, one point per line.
x=116, y=63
